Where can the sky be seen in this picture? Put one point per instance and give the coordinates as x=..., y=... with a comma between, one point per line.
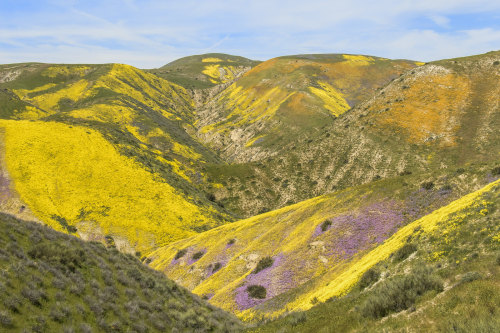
x=151, y=33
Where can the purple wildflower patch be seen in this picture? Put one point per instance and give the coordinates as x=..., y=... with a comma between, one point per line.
x=352, y=233
x=276, y=279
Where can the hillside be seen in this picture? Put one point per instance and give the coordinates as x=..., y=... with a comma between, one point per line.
x=441, y=115
x=295, y=251
x=443, y=278
x=353, y=177
x=205, y=70
x=52, y=282
x=289, y=98
x=105, y=153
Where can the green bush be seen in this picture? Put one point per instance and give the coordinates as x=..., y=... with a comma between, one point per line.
x=325, y=225
x=404, y=252
x=180, y=254
x=13, y=303
x=256, y=291
x=495, y=171
x=216, y=267
x=5, y=319
x=400, y=292
x=198, y=255
x=470, y=276
x=296, y=318
x=368, y=278
x=427, y=185
x=34, y=295
x=263, y=263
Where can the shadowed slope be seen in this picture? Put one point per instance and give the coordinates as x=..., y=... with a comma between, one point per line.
x=52, y=282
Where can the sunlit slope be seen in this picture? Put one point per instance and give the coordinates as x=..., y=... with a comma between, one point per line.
x=442, y=115
x=291, y=96
x=205, y=70
x=76, y=181
x=145, y=117
x=443, y=277
x=310, y=244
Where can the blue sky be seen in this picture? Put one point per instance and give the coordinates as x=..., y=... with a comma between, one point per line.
x=150, y=33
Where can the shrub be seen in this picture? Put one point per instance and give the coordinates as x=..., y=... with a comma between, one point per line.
x=68, y=329
x=149, y=283
x=368, y=278
x=198, y=255
x=211, y=197
x=404, y=252
x=123, y=279
x=216, y=267
x=446, y=188
x=400, y=292
x=263, y=263
x=130, y=293
x=325, y=225
x=68, y=257
x=495, y=171
x=85, y=328
x=59, y=283
x=256, y=291
x=231, y=241
x=40, y=325
x=427, y=185
x=405, y=173
x=13, y=303
x=180, y=254
x=470, y=276
x=59, y=313
x=135, y=274
x=5, y=319
x=296, y=318
x=77, y=288
x=34, y=295
x=140, y=327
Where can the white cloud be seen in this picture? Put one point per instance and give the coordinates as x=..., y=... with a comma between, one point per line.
x=149, y=33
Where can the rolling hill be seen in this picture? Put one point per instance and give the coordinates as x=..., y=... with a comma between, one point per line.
x=303, y=247
x=444, y=277
x=288, y=98
x=204, y=71
x=436, y=116
x=104, y=151
x=53, y=282
x=293, y=189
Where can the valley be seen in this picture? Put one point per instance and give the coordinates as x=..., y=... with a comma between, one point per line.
x=292, y=193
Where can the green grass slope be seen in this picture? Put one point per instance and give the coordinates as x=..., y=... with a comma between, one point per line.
x=286, y=98
x=287, y=259
x=441, y=115
x=104, y=151
x=205, y=70
x=53, y=282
